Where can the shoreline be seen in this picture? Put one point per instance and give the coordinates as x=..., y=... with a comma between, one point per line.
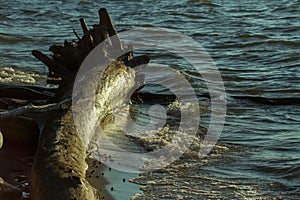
x=59, y=166
x=15, y=168
x=97, y=181
x=17, y=162
x=112, y=184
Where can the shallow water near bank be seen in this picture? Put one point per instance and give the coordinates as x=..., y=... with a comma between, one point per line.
x=255, y=45
x=112, y=183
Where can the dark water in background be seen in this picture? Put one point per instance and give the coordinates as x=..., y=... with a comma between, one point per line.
x=255, y=45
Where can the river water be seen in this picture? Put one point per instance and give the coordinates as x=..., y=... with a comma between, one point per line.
x=254, y=44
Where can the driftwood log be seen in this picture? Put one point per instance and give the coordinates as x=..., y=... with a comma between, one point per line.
x=59, y=166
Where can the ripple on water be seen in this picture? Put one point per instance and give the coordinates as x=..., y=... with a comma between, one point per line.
x=254, y=44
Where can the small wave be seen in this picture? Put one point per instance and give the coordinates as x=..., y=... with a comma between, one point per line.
x=291, y=8
x=287, y=172
x=191, y=16
x=292, y=117
x=270, y=101
x=259, y=43
x=147, y=25
x=284, y=43
x=285, y=91
x=292, y=173
x=4, y=18
x=191, y=180
x=17, y=76
x=206, y=3
x=28, y=12
x=286, y=60
x=282, y=29
x=156, y=139
x=85, y=3
x=248, y=35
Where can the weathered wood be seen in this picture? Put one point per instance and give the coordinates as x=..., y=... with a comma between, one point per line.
x=55, y=81
x=143, y=97
x=76, y=34
x=138, y=60
x=21, y=92
x=54, y=66
x=41, y=89
x=87, y=38
x=59, y=165
x=107, y=21
x=30, y=108
x=83, y=26
x=68, y=56
x=98, y=33
x=8, y=103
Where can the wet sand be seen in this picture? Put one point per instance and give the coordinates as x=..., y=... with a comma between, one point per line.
x=16, y=163
x=112, y=184
x=15, y=167
x=96, y=180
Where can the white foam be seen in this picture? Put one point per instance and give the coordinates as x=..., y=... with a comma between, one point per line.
x=17, y=76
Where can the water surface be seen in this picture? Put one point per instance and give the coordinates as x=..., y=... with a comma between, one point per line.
x=255, y=45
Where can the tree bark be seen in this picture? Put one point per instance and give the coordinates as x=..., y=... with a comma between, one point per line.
x=59, y=166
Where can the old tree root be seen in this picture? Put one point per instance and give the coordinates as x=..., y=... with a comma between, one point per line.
x=59, y=165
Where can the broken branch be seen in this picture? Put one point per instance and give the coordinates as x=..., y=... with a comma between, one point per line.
x=30, y=108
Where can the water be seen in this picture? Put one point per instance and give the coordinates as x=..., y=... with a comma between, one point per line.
x=255, y=45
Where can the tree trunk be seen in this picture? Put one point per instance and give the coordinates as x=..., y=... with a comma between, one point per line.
x=59, y=166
